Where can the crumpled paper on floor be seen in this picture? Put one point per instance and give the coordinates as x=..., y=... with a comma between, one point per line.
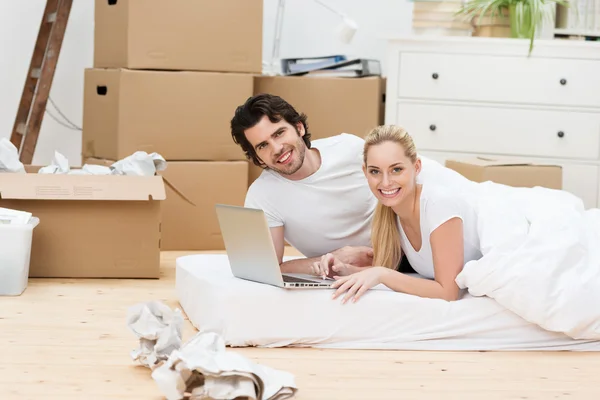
x=9, y=157
x=159, y=330
x=139, y=163
x=204, y=369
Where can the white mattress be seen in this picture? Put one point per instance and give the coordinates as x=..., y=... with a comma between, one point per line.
x=253, y=314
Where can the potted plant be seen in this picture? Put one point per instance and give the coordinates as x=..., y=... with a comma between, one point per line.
x=526, y=16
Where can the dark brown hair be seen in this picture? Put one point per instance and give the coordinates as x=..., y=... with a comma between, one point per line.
x=253, y=110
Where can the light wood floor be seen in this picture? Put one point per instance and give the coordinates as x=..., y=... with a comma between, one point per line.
x=67, y=339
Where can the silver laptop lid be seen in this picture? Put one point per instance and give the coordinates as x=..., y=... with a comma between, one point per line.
x=249, y=245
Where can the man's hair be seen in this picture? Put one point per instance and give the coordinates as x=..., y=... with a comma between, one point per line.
x=253, y=110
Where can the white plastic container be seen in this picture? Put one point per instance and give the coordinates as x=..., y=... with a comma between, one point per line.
x=15, y=253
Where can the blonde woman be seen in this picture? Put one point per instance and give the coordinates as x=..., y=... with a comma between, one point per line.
x=434, y=226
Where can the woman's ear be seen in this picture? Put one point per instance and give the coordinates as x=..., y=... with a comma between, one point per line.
x=364, y=168
x=418, y=166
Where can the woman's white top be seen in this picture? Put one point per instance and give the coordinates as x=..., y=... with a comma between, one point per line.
x=438, y=205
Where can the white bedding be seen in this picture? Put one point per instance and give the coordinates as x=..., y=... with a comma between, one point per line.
x=252, y=314
x=541, y=257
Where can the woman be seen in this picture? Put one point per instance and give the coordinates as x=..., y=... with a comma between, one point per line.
x=435, y=227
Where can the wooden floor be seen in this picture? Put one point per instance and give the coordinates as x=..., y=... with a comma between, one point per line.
x=67, y=339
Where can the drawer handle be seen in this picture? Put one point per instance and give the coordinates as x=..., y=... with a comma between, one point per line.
x=563, y=81
x=432, y=127
x=435, y=75
x=561, y=134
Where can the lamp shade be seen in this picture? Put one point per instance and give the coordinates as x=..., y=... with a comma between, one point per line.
x=346, y=30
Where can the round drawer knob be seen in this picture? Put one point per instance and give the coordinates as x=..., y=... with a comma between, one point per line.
x=563, y=81
x=432, y=127
x=561, y=134
x=435, y=75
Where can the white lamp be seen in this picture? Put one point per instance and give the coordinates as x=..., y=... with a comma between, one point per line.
x=346, y=29
x=345, y=33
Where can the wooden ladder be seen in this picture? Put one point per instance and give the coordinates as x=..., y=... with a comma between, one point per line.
x=38, y=82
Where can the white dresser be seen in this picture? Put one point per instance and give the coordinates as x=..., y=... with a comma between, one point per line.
x=485, y=97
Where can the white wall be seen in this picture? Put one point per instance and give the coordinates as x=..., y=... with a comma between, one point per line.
x=309, y=28
x=308, y=31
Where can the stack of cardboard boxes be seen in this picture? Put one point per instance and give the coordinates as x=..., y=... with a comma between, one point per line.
x=167, y=78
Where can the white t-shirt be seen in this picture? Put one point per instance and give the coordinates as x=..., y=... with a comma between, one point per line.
x=328, y=210
x=438, y=205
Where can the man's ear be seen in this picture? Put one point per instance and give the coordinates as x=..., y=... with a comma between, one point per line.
x=300, y=128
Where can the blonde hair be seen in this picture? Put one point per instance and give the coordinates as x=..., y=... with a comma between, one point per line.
x=385, y=234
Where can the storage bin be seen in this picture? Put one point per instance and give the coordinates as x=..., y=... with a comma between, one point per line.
x=15, y=253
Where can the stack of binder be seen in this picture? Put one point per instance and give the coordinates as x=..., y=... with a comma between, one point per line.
x=335, y=65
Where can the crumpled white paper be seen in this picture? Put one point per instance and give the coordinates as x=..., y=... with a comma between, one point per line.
x=59, y=165
x=202, y=367
x=139, y=163
x=9, y=157
x=206, y=370
x=158, y=329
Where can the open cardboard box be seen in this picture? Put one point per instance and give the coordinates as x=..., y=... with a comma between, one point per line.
x=517, y=173
x=91, y=226
x=189, y=220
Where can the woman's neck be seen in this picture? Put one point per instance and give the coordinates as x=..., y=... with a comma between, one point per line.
x=410, y=208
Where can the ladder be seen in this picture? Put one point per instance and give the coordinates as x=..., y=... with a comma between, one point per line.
x=39, y=78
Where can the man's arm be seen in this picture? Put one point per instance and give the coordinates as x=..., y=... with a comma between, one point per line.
x=357, y=256
x=299, y=266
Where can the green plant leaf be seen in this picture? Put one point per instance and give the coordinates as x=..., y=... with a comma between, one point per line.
x=528, y=14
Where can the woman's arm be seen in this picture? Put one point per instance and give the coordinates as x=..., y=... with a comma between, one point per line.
x=447, y=249
x=448, y=259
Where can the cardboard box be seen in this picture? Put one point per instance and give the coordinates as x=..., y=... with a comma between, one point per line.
x=508, y=172
x=90, y=226
x=180, y=115
x=193, y=188
x=187, y=226
x=333, y=105
x=200, y=35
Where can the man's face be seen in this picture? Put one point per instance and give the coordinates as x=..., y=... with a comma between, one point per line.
x=279, y=145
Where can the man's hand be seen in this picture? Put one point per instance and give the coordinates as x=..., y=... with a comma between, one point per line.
x=343, y=262
x=358, y=256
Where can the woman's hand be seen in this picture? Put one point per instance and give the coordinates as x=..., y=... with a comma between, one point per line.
x=358, y=283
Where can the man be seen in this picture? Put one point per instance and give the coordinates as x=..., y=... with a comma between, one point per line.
x=314, y=194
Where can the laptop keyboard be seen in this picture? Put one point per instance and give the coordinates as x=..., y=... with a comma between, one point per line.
x=287, y=278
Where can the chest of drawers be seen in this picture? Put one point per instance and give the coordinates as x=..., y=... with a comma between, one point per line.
x=486, y=97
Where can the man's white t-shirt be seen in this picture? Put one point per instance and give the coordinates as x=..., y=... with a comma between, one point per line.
x=328, y=210
x=438, y=205
x=333, y=207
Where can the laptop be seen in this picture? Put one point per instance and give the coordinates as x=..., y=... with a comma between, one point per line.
x=251, y=252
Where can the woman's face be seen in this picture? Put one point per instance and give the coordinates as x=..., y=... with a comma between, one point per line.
x=390, y=173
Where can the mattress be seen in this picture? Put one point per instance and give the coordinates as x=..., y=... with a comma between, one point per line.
x=248, y=313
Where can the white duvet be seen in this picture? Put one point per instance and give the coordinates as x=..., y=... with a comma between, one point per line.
x=541, y=257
